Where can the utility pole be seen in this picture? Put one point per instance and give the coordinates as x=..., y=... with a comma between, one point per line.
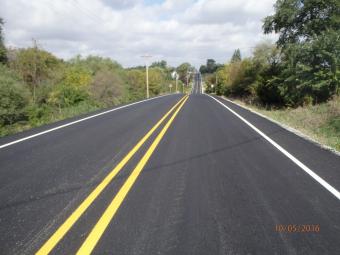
x=187, y=82
x=147, y=73
x=35, y=47
x=188, y=76
x=216, y=78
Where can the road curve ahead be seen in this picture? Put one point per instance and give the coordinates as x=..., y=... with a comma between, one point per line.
x=173, y=175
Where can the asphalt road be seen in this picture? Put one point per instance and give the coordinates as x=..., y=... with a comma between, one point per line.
x=204, y=182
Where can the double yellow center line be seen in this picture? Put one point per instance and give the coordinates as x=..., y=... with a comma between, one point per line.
x=111, y=210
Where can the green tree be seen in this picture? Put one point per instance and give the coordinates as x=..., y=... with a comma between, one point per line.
x=73, y=89
x=35, y=66
x=309, y=36
x=265, y=53
x=95, y=63
x=301, y=20
x=183, y=70
x=210, y=67
x=157, y=81
x=3, y=56
x=267, y=60
x=220, y=81
x=161, y=64
x=236, y=57
x=136, y=84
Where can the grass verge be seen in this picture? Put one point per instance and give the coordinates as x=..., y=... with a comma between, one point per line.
x=47, y=116
x=320, y=122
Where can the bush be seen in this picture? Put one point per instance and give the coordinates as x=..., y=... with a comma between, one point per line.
x=14, y=97
x=136, y=84
x=38, y=115
x=107, y=87
x=72, y=90
x=34, y=65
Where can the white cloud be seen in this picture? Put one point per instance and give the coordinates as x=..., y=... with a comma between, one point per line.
x=174, y=30
x=122, y=4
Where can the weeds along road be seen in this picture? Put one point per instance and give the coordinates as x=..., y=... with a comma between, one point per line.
x=172, y=175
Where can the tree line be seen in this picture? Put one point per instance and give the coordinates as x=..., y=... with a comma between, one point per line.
x=301, y=68
x=37, y=87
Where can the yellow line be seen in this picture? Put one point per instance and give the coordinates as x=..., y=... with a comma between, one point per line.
x=66, y=226
x=111, y=210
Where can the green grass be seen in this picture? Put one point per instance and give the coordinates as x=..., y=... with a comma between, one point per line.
x=320, y=122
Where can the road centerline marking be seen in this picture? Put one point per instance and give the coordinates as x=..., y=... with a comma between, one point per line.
x=310, y=172
x=72, y=219
x=101, y=225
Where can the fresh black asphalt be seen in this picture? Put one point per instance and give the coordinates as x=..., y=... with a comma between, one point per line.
x=212, y=186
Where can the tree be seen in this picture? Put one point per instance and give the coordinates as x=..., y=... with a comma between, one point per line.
x=35, y=66
x=298, y=21
x=3, y=57
x=136, y=84
x=161, y=64
x=203, y=69
x=309, y=37
x=236, y=56
x=156, y=80
x=107, y=87
x=267, y=60
x=265, y=53
x=73, y=89
x=183, y=70
x=220, y=81
x=210, y=67
x=95, y=63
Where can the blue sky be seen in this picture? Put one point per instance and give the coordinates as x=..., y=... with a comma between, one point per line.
x=174, y=30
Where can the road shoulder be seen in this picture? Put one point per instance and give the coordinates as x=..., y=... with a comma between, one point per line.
x=324, y=162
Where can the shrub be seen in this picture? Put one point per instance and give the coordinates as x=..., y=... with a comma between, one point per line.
x=107, y=87
x=72, y=90
x=14, y=97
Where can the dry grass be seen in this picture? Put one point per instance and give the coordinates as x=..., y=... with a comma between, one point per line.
x=320, y=122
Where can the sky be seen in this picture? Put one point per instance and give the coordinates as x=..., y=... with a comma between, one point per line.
x=173, y=30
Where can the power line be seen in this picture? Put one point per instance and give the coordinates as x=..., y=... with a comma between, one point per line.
x=87, y=12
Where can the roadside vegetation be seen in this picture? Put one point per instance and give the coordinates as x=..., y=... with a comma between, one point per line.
x=321, y=122
x=296, y=80
x=37, y=87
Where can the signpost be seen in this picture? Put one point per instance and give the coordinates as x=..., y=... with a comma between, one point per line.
x=175, y=76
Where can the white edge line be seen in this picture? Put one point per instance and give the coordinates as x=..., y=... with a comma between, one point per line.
x=288, y=128
x=316, y=177
x=74, y=122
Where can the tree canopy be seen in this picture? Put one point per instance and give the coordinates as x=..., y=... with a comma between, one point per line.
x=210, y=67
x=309, y=37
x=236, y=57
x=3, y=57
x=298, y=21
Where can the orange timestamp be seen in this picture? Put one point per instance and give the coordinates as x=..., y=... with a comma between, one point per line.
x=297, y=228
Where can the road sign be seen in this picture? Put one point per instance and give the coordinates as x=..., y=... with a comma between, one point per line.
x=174, y=75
